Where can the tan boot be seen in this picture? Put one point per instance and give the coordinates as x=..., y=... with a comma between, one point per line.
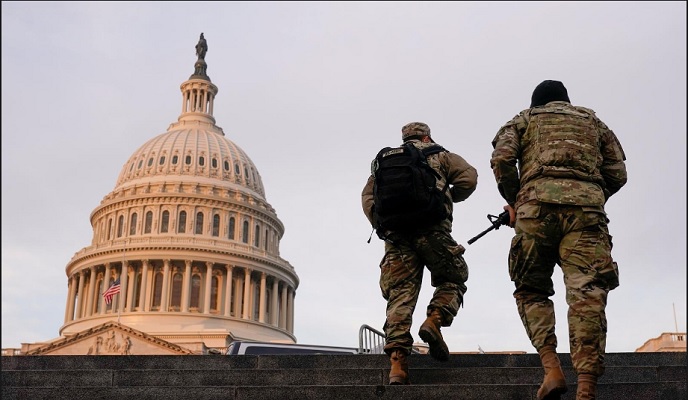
x=430, y=333
x=398, y=374
x=587, y=387
x=553, y=384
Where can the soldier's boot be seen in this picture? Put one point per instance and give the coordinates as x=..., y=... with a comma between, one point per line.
x=553, y=384
x=399, y=374
x=430, y=333
x=587, y=387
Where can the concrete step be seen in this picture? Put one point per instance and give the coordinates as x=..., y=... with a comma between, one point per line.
x=615, y=391
x=465, y=376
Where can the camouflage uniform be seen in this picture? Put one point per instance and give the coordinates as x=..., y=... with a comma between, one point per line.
x=569, y=164
x=406, y=255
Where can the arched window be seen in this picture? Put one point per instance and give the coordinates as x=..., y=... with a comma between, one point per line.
x=175, y=159
x=181, y=227
x=213, y=162
x=226, y=165
x=157, y=290
x=199, y=223
x=244, y=233
x=187, y=160
x=195, y=299
x=120, y=225
x=265, y=243
x=132, y=224
x=164, y=225
x=109, y=228
x=176, y=302
x=256, y=236
x=149, y=222
x=201, y=161
x=231, y=228
x=162, y=160
x=214, y=293
x=216, y=225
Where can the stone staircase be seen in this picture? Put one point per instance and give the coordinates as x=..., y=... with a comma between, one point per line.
x=629, y=376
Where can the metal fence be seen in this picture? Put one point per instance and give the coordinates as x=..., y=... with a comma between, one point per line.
x=370, y=340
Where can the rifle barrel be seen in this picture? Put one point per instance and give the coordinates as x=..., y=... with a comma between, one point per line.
x=481, y=234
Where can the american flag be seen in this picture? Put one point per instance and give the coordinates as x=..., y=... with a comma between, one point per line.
x=111, y=291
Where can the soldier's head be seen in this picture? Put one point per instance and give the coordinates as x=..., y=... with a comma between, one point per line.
x=549, y=91
x=415, y=130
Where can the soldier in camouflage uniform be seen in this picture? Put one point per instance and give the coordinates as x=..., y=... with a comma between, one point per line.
x=556, y=165
x=407, y=255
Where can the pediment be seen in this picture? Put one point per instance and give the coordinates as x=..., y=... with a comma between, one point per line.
x=109, y=339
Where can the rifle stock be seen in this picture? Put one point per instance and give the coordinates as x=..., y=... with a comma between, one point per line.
x=496, y=220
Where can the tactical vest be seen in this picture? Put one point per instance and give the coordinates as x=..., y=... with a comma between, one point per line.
x=561, y=141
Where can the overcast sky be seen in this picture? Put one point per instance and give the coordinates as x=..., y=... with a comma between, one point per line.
x=311, y=91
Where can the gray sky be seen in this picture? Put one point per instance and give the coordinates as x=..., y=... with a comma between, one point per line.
x=311, y=91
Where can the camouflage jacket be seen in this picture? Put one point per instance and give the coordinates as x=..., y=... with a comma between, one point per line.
x=462, y=178
x=557, y=153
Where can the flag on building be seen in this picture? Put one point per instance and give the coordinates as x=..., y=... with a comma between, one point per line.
x=111, y=291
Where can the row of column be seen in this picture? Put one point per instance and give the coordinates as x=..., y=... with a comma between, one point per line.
x=81, y=301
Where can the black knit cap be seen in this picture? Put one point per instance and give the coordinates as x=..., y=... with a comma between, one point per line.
x=549, y=91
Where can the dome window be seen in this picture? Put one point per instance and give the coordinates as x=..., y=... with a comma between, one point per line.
x=214, y=162
x=188, y=160
x=140, y=164
x=201, y=161
x=181, y=228
x=150, y=161
x=162, y=160
x=175, y=159
x=237, y=170
x=226, y=165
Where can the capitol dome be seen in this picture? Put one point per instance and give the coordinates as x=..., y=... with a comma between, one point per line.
x=187, y=241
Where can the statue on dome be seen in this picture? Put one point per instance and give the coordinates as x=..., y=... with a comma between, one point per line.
x=201, y=48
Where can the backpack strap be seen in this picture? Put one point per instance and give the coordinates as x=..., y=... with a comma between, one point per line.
x=434, y=149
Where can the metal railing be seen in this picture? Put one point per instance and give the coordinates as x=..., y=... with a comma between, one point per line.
x=370, y=340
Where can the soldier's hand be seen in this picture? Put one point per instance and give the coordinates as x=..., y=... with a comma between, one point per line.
x=512, y=215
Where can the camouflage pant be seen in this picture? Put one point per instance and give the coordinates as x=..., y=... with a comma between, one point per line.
x=401, y=275
x=577, y=239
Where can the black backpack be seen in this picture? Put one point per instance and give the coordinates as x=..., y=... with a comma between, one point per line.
x=406, y=197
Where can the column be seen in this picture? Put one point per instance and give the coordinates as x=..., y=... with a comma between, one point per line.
x=130, y=289
x=123, y=281
x=69, y=305
x=274, y=314
x=228, y=291
x=106, y=284
x=283, y=309
x=164, y=301
x=238, y=300
x=261, y=309
x=247, y=293
x=186, y=284
x=290, y=311
x=91, y=291
x=143, y=299
x=208, y=281
x=81, y=295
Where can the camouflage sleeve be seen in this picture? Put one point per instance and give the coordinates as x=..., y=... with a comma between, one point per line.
x=613, y=167
x=507, y=149
x=462, y=177
x=367, y=199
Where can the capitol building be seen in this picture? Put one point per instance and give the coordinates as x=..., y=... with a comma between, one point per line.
x=188, y=244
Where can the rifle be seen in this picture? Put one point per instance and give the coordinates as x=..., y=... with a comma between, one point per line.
x=496, y=220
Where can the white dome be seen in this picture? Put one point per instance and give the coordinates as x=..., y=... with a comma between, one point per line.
x=192, y=151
